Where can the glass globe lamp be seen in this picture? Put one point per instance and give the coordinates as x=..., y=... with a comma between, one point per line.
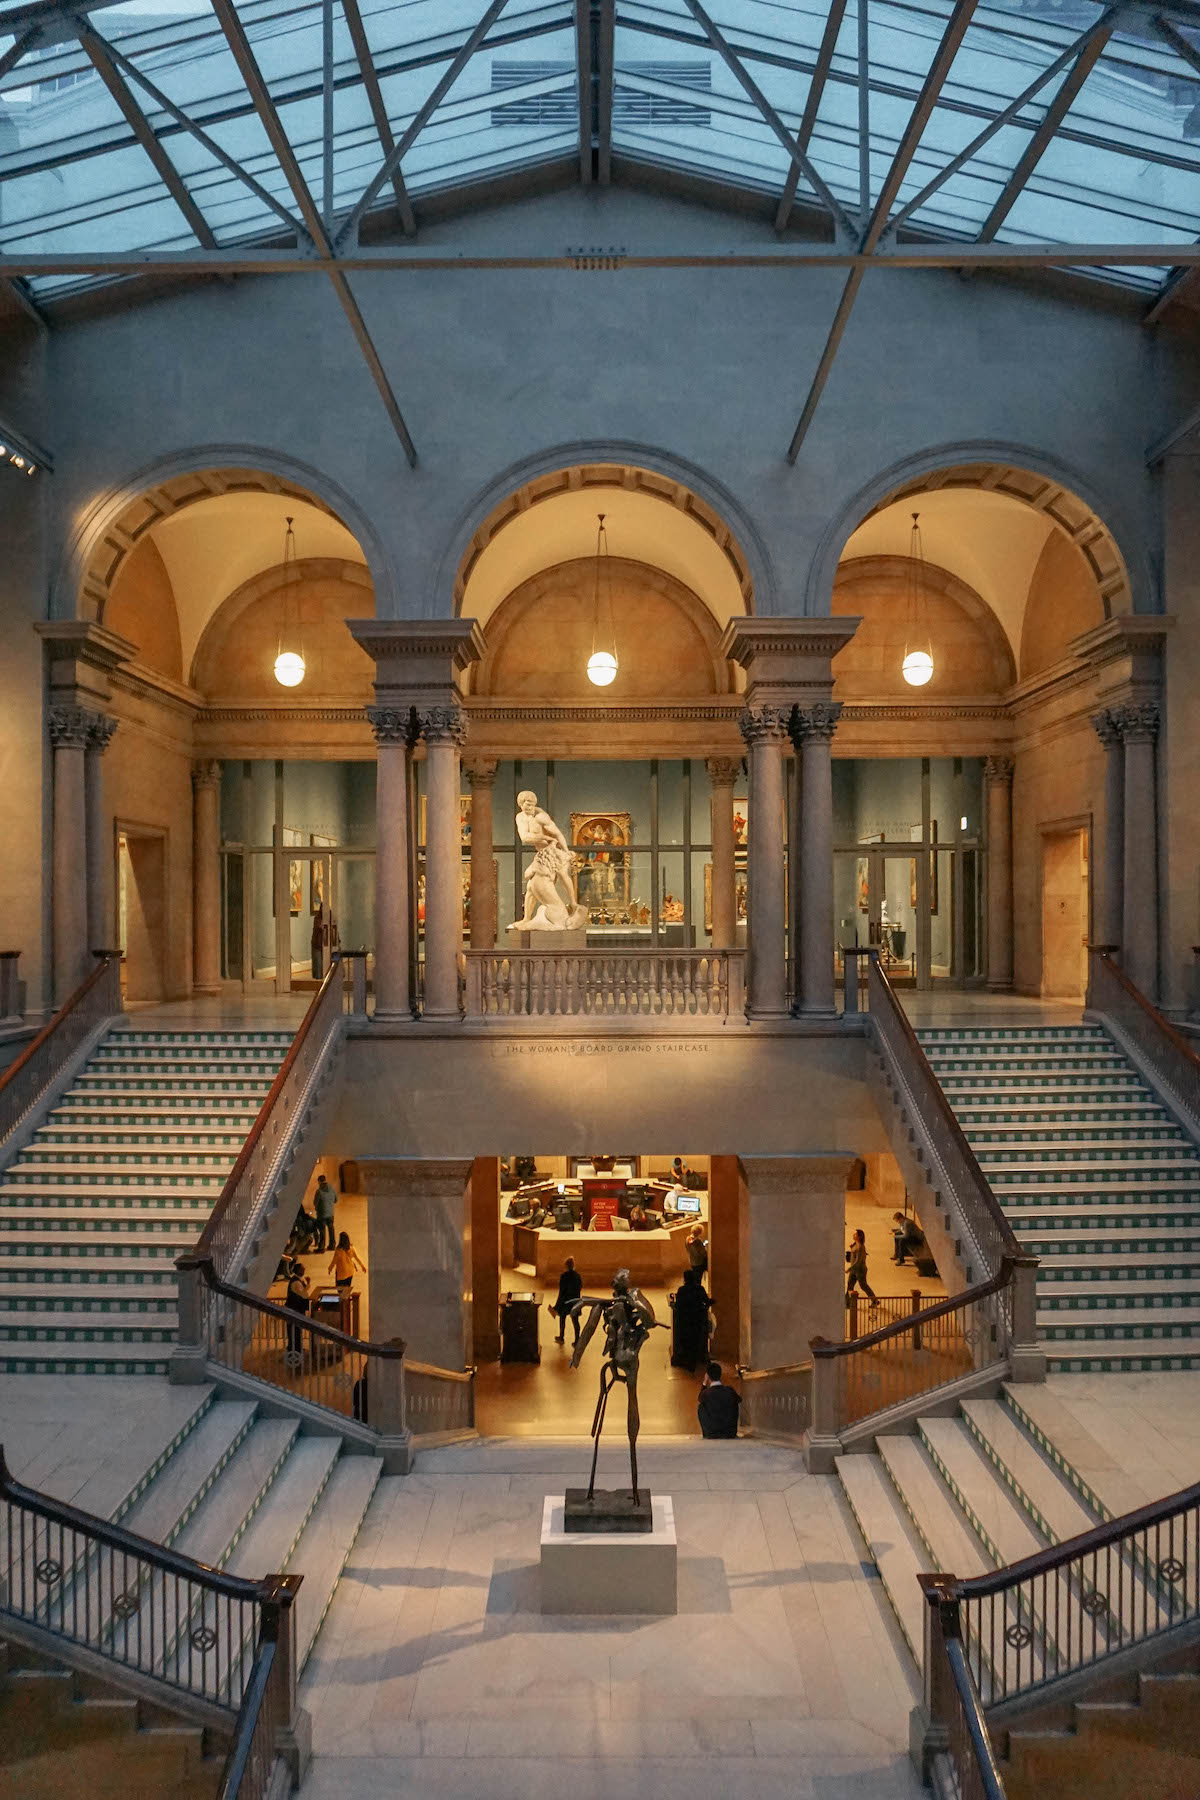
x=289, y=669
x=917, y=668
x=602, y=668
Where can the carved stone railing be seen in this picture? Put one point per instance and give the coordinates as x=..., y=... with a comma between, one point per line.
x=205, y=1645
x=438, y=1400
x=228, y=1238
x=777, y=1403
x=1170, y=1059
x=672, y=984
x=39, y=1065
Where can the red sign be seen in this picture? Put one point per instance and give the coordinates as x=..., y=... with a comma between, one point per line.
x=602, y=1196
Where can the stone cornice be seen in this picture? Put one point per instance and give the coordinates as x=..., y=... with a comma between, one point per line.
x=722, y=707
x=82, y=640
x=1126, y=634
x=746, y=639
x=139, y=678
x=863, y=712
x=385, y=640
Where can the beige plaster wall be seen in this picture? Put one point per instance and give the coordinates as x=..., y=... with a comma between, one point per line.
x=970, y=651
x=235, y=658
x=1063, y=602
x=141, y=607
x=1058, y=781
x=148, y=782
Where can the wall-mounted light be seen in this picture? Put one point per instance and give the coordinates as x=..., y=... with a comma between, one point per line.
x=19, y=454
x=289, y=662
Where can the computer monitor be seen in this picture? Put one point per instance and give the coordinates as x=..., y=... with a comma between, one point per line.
x=687, y=1203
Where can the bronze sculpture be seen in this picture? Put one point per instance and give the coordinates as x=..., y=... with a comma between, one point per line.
x=628, y=1321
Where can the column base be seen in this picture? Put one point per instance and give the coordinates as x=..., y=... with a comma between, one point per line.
x=206, y=987
x=1000, y=987
x=1027, y=1362
x=435, y=1016
x=818, y=1012
x=820, y=1454
x=393, y=1015
x=397, y=1453
x=767, y=1013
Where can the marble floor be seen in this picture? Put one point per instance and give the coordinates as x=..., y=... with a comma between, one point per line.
x=781, y=1676
x=974, y=1006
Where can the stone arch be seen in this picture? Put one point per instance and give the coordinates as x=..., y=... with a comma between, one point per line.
x=1027, y=476
x=340, y=667
x=980, y=662
x=118, y=521
x=642, y=467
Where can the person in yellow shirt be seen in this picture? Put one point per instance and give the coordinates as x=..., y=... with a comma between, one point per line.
x=343, y=1263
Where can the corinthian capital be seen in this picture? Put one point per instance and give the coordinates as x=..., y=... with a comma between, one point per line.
x=71, y=727
x=481, y=771
x=1107, y=727
x=816, y=721
x=443, y=725
x=1138, y=724
x=206, y=774
x=762, y=723
x=998, y=770
x=390, y=724
x=723, y=771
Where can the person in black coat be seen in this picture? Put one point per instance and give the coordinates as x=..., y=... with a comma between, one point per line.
x=718, y=1406
x=692, y=1322
x=570, y=1286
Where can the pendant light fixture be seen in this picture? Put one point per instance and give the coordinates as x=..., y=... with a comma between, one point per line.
x=917, y=667
x=602, y=663
x=289, y=663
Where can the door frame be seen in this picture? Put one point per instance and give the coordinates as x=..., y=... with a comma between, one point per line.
x=1084, y=822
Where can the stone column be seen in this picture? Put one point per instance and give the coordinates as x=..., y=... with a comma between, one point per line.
x=1138, y=726
x=444, y=730
x=418, y=1228
x=1110, y=858
x=998, y=778
x=481, y=773
x=392, y=736
x=797, y=1223
x=101, y=913
x=485, y=1254
x=729, y=1259
x=70, y=733
x=206, y=877
x=765, y=731
x=723, y=773
x=813, y=728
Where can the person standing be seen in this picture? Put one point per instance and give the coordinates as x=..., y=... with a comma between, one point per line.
x=324, y=1201
x=856, y=1270
x=696, y=1246
x=296, y=1301
x=343, y=1263
x=570, y=1287
x=718, y=1406
x=691, y=1319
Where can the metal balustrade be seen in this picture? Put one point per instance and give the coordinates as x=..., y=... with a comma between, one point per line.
x=604, y=984
x=39, y=1065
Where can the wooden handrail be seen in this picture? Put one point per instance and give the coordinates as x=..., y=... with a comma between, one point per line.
x=390, y=1352
x=52, y=1024
x=904, y=1327
x=61, y=1512
x=1008, y=1237
x=420, y=1368
x=228, y=1193
x=1176, y=1040
x=1100, y=1537
x=799, y=1368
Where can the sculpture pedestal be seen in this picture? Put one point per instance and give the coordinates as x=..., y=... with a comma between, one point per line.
x=609, y=1572
x=552, y=942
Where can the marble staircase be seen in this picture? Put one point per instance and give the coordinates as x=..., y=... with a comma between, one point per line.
x=1097, y=1179
x=116, y=1183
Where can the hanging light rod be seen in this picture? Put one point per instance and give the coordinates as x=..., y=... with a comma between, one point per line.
x=602, y=663
x=917, y=667
x=289, y=662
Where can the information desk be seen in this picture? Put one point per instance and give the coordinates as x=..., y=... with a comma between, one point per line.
x=653, y=1258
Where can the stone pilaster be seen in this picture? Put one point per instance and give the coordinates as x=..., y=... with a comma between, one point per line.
x=481, y=773
x=1110, y=854
x=812, y=729
x=393, y=737
x=101, y=912
x=998, y=780
x=1138, y=726
x=797, y=1216
x=71, y=729
x=206, y=877
x=764, y=729
x=444, y=729
x=722, y=774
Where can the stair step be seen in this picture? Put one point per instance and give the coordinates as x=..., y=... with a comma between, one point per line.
x=1105, y=1321
x=58, y=1132
x=176, y=1492
x=1084, y=1150
x=1055, y=1508
x=1159, y=1295
x=1117, y=1243
x=149, y=1274
x=1006, y=1533
x=54, y=1328
x=78, y=1193
x=114, y=1233
x=893, y=1545
x=1121, y=1355
x=938, y=1521
x=72, y=1298
x=327, y=1541
x=42, y=1358
x=1082, y=1266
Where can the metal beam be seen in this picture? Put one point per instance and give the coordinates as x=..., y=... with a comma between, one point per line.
x=327, y=113
x=1173, y=439
x=931, y=87
x=812, y=104
x=248, y=260
x=256, y=87
x=1177, y=284
x=1055, y=113
x=1007, y=117
x=747, y=82
x=864, y=110
x=133, y=73
x=29, y=40
x=585, y=76
x=139, y=124
x=403, y=144
x=24, y=301
x=605, y=88
x=379, y=112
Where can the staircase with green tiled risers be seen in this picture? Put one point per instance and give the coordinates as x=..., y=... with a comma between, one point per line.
x=118, y=1181
x=1096, y=1178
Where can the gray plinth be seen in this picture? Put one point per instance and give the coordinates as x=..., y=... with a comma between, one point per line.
x=549, y=941
x=609, y=1572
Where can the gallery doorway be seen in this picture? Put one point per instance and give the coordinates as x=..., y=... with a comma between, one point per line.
x=1064, y=912
x=142, y=913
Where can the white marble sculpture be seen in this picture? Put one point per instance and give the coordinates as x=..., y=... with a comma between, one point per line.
x=549, y=875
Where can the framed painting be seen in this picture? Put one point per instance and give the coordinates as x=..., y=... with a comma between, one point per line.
x=741, y=822
x=599, y=840
x=318, y=871
x=933, y=875
x=292, y=839
x=741, y=893
x=464, y=822
x=862, y=883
